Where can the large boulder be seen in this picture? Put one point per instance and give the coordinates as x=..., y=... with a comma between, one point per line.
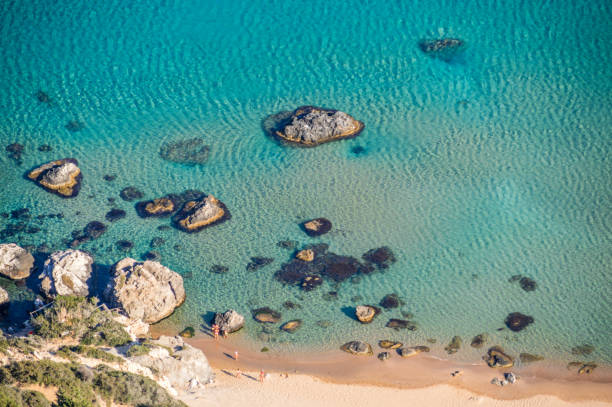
x=185, y=367
x=66, y=273
x=496, y=357
x=198, y=214
x=311, y=126
x=317, y=227
x=229, y=321
x=62, y=177
x=15, y=262
x=357, y=348
x=366, y=313
x=144, y=290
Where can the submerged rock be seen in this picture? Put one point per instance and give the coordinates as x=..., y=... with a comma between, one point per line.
x=529, y=358
x=266, y=315
x=444, y=48
x=454, y=345
x=43, y=97
x=66, y=273
x=517, y=321
x=381, y=257
x=144, y=290
x=366, y=313
x=258, y=262
x=199, y=214
x=115, y=214
x=15, y=262
x=390, y=301
x=291, y=326
x=188, y=151
x=229, y=321
x=62, y=177
x=317, y=227
x=311, y=126
x=130, y=194
x=94, y=229
x=496, y=357
x=358, y=348
x=527, y=284
x=398, y=324
x=74, y=126
x=305, y=255
x=14, y=152
x=583, y=350
x=124, y=245
x=219, y=269
x=479, y=340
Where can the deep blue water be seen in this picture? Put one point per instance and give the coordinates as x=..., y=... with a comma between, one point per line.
x=493, y=164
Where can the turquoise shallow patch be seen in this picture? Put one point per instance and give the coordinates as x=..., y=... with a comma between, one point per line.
x=492, y=164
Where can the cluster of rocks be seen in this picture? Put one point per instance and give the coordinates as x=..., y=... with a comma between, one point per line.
x=526, y=283
x=443, y=48
x=583, y=367
x=62, y=177
x=509, y=378
x=337, y=268
x=310, y=126
x=365, y=349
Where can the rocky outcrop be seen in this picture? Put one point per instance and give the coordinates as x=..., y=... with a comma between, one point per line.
x=199, y=214
x=62, y=177
x=15, y=262
x=305, y=255
x=66, y=273
x=496, y=357
x=366, y=313
x=229, y=321
x=311, y=126
x=144, y=290
x=517, y=321
x=317, y=227
x=357, y=348
x=185, y=367
x=157, y=207
x=5, y=301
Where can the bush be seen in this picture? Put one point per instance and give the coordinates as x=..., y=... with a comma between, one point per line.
x=14, y=397
x=138, y=350
x=95, y=353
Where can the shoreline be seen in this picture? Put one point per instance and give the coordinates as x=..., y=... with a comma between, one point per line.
x=418, y=372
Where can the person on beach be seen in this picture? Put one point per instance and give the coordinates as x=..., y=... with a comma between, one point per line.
x=238, y=374
x=224, y=334
x=261, y=375
x=215, y=329
x=235, y=355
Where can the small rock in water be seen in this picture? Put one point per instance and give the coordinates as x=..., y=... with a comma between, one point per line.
x=124, y=245
x=444, y=48
x=266, y=315
x=389, y=344
x=366, y=313
x=291, y=326
x=587, y=368
x=115, y=214
x=390, y=301
x=188, y=151
x=287, y=244
x=398, y=324
x=44, y=148
x=517, y=321
x=317, y=227
x=258, y=262
x=152, y=256
x=479, y=340
x=496, y=357
x=94, y=229
x=62, y=177
x=358, y=348
x=454, y=345
x=583, y=350
x=110, y=177
x=219, y=269
x=201, y=213
x=188, y=332
x=130, y=194
x=74, y=126
x=43, y=97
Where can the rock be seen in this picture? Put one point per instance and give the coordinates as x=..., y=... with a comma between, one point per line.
x=291, y=305
x=407, y=352
x=305, y=255
x=291, y=326
x=496, y=381
x=366, y=313
x=44, y=148
x=144, y=290
x=115, y=214
x=229, y=321
x=74, y=126
x=479, y=340
x=390, y=301
x=358, y=150
x=517, y=321
x=510, y=377
x=388, y=344
x=266, y=315
x=188, y=332
x=444, y=48
x=287, y=244
x=5, y=301
x=381, y=257
x=159, y=207
x=311, y=126
x=130, y=194
x=527, y=284
x=357, y=348
x=66, y=273
x=179, y=363
x=109, y=177
x=188, y=151
x=311, y=282
x=496, y=357
x=258, y=262
x=317, y=227
x=197, y=215
x=219, y=269
x=454, y=345
x=382, y=356
x=15, y=262
x=156, y=242
x=529, y=358
x=43, y=97
x=14, y=152
x=152, y=255
x=62, y=177
x=583, y=350
x=587, y=368
x=421, y=348
x=398, y=324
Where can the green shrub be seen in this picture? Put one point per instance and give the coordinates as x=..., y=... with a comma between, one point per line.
x=75, y=394
x=138, y=350
x=14, y=397
x=95, y=353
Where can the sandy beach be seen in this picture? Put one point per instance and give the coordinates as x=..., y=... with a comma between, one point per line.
x=339, y=379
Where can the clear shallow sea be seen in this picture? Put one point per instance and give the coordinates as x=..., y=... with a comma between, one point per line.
x=493, y=165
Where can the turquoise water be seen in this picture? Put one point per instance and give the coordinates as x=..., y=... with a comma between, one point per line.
x=494, y=164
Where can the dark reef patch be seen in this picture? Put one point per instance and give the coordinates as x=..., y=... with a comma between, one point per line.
x=188, y=151
x=516, y=321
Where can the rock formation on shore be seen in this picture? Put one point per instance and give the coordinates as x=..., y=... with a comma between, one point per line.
x=66, y=273
x=144, y=290
x=15, y=262
x=496, y=357
x=62, y=177
x=311, y=126
x=229, y=321
x=199, y=214
x=358, y=348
